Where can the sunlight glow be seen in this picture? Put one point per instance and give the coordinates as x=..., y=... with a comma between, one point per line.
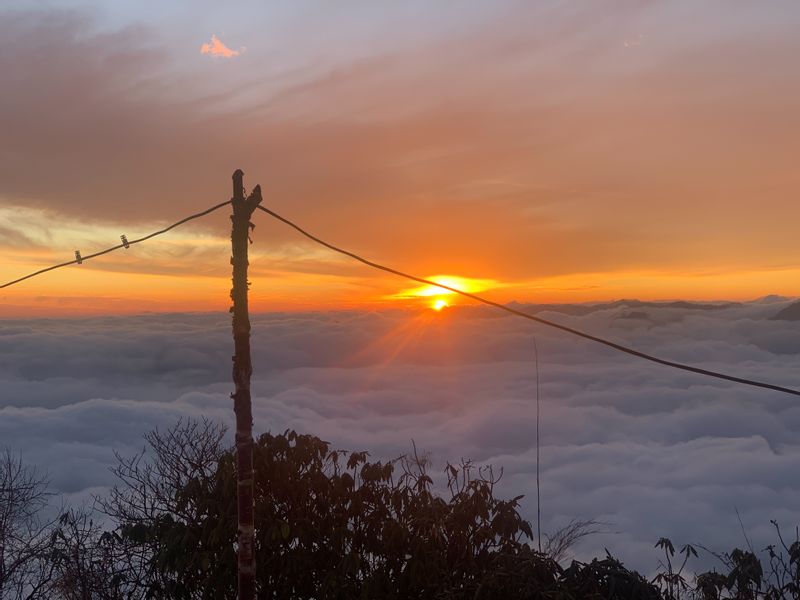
x=439, y=304
x=465, y=284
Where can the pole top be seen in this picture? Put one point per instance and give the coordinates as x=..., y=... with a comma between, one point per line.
x=238, y=184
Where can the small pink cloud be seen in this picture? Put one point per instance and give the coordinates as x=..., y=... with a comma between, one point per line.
x=217, y=48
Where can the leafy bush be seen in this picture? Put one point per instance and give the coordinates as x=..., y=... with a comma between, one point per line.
x=330, y=525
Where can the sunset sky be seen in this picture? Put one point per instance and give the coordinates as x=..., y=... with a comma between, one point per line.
x=546, y=151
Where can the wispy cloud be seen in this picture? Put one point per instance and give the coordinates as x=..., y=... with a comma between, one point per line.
x=218, y=48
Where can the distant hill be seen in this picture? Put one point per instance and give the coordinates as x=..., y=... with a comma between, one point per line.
x=790, y=313
x=771, y=299
x=585, y=309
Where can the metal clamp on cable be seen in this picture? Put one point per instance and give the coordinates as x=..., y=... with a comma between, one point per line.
x=125, y=241
x=78, y=258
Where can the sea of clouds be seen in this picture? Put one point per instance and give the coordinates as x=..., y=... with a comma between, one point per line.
x=652, y=451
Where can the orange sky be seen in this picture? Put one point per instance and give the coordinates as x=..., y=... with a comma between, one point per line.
x=186, y=272
x=558, y=155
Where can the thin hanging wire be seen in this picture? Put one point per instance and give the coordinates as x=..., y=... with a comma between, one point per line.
x=524, y=315
x=125, y=244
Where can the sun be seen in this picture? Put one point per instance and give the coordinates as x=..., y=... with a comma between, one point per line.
x=465, y=284
x=437, y=297
x=439, y=304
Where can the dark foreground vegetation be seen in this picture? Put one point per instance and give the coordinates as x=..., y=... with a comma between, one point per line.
x=330, y=525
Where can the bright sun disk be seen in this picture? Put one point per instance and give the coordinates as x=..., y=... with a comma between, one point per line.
x=439, y=304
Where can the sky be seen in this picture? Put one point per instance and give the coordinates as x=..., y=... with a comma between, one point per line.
x=563, y=151
x=549, y=153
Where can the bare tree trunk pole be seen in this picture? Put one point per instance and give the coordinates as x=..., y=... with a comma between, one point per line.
x=242, y=370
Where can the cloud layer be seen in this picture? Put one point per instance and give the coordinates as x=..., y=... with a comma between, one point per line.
x=650, y=450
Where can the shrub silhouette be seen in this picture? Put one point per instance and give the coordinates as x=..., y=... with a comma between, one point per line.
x=334, y=525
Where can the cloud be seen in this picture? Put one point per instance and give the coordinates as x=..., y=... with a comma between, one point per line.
x=217, y=48
x=654, y=451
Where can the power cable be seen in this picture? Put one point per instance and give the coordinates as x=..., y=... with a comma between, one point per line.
x=125, y=244
x=619, y=347
x=524, y=315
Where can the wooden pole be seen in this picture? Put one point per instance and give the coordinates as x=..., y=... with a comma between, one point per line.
x=242, y=370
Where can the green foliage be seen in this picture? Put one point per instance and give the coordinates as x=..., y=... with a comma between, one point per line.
x=332, y=525
x=745, y=578
x=329, y=526
x=335, y=525
x=605, y=579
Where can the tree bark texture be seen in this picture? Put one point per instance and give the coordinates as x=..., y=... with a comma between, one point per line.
x=242, y=370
